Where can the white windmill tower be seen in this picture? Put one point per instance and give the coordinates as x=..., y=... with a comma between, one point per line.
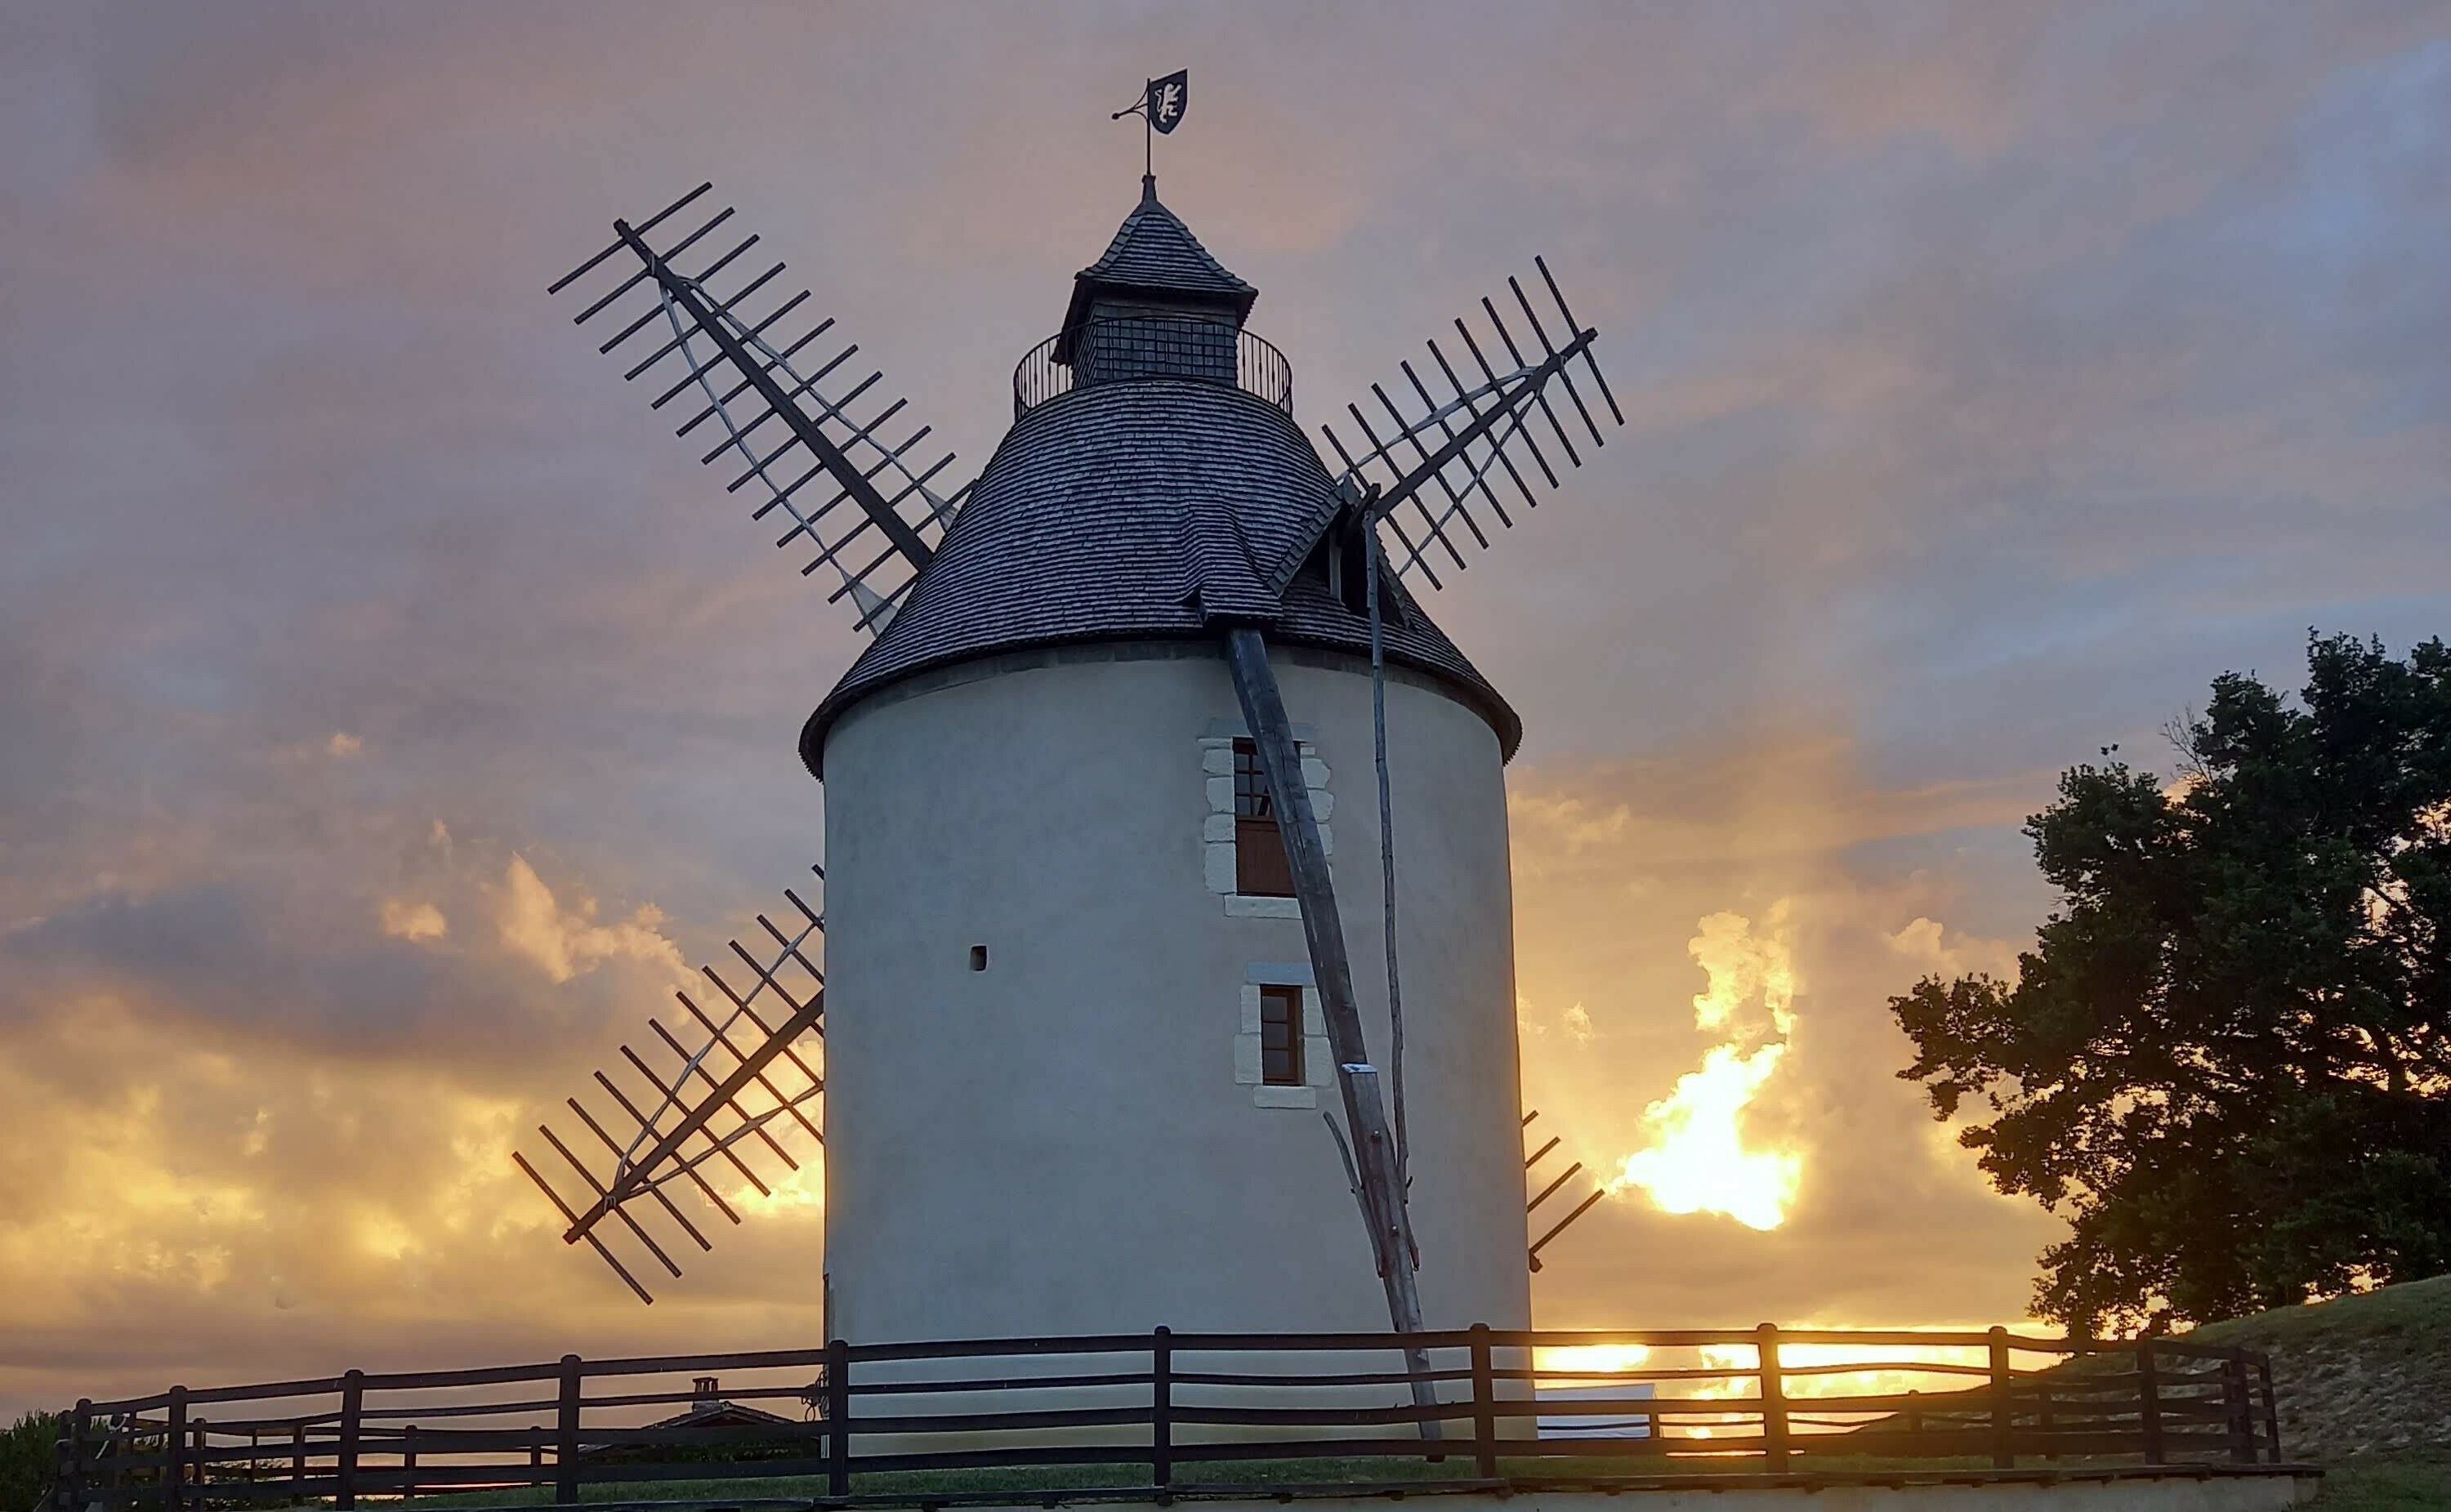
x=1103, y=838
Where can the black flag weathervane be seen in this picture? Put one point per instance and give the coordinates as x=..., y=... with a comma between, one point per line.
x=1160, y=108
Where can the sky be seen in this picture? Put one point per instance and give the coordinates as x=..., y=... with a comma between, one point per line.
x=390, y=713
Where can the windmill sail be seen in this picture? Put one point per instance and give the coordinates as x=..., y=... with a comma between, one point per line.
x=712, y=1105
x=1432, y=460
x=788, y=414
x=1590, y=1198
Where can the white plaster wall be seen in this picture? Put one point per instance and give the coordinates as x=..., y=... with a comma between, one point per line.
x=1059, y=1145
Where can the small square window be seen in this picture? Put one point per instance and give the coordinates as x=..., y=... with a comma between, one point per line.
x=1281, y=1037
x=1261, y=869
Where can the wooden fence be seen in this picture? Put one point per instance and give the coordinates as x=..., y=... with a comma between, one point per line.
x=1168, y=1411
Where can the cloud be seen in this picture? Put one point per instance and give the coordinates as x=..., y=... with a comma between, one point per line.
x=1700, y=1159
x=1925, y=942
x=412, y=921
x=568, y=942
x=1737, y=1089
x=1996, y=377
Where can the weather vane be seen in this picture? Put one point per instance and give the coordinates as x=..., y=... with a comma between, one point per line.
x=1159, y=108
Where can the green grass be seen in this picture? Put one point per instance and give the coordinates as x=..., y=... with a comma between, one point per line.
x=2360, y=1378
x=2384, y=1486
x=2364, y=1383
x=2414, y=1312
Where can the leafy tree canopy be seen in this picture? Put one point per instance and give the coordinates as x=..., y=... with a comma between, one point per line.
x=2228, y=1058
x=28, y=1454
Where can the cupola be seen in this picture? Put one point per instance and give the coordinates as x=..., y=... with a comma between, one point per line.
x=1155, y=304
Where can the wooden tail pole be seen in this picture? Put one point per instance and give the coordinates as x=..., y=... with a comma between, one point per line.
x=1374, y=1144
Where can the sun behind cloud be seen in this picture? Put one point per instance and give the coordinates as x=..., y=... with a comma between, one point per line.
x=1698, y=1160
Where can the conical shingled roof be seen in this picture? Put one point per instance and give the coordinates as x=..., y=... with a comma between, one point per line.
x=1155, y=254
x=1148, y=508
x=1153, y=510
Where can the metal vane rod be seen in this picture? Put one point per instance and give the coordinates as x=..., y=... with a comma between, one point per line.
x=1386, y=855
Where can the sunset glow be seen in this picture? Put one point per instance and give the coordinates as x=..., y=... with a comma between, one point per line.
x=394, y=715
x=1699, y=1160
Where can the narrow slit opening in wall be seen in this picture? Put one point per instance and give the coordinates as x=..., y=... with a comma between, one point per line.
x=1261, y=869
x=978, y=957
x=1281, y=1037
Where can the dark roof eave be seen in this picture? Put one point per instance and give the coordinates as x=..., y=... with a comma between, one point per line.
x=1482, y=701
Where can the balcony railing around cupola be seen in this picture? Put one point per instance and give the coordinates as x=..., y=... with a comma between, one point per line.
x=1127, y=347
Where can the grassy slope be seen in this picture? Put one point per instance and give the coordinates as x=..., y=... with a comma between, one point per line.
x=2364, y=1386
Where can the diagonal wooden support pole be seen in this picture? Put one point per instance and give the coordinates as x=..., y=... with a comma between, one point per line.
x=1374, y=1144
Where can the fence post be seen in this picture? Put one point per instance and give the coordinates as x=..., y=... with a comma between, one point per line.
x=80, y=1437
x=1774, y=1398
x=565, y=1435
x=298, y=1463
x=408, y=1461
x=1161, y=1408
x=2004, y=1406
x=2149, y=1402
x=344, y=1461
x=174, y=1451
x=838, y=1418
x=2272, y=1408
x=1484, y=1407
x=63, y=1466
x=536, y=1454
x=2045, y=1421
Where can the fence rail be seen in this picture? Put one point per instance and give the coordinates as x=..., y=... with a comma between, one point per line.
x=1123, y=348
x=1150, y=1411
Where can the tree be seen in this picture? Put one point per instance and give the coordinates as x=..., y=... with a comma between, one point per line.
x=2226, y=1059
x=28, y=1454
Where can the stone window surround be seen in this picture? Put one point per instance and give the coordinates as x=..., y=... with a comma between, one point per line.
x=1217, y=831
x=1319, y=1064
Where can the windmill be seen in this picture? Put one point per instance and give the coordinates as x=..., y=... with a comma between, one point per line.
x=1088, y=939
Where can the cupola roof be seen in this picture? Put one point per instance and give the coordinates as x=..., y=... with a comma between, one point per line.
x=1154, y=257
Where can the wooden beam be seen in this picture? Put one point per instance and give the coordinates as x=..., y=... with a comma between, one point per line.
x=1366, y=1115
